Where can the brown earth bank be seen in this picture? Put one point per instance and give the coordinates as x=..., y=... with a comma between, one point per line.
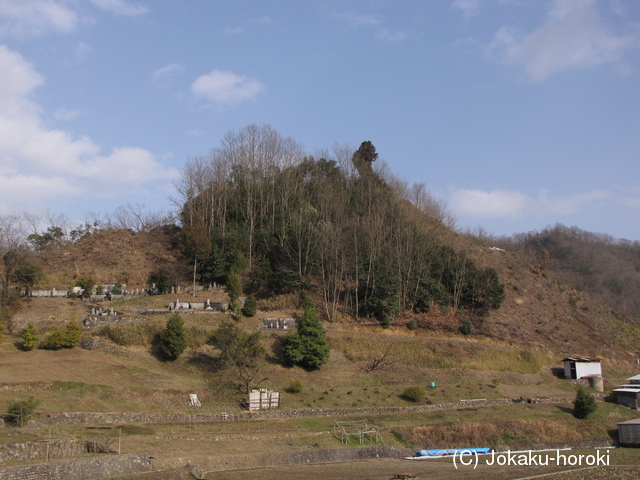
x=627, y=467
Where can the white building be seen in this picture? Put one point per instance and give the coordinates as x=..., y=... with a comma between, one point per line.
x=582, y=367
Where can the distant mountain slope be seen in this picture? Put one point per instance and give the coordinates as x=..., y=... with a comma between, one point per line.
x=607, y=268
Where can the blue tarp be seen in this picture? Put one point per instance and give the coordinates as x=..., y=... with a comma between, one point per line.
x=450, y=451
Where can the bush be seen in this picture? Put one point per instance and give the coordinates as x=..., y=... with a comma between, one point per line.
x=584, y=404
x=68, y=337
x=19, y=412
x=134, y=334
x=161, y=281
x=466, y=328
x=250, y=306
x=29, y=339
x=72, y=334
x=295, y=386
x=172, y=339
x=86, y=284
x=414, y=394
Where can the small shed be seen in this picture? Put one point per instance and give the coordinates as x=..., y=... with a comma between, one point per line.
x=582, y=367
x=626, y=395
x=635, y=380
x=629, y=433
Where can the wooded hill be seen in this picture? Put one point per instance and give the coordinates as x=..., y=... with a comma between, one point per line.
x=287, y=222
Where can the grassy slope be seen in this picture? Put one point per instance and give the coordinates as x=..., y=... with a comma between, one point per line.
x=510, y=354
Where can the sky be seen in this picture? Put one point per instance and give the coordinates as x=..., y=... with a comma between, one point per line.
x=518, y=114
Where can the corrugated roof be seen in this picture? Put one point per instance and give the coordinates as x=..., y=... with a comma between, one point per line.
x=635, y=377
x=630, y=422
x=632, y=390
x=581, y=359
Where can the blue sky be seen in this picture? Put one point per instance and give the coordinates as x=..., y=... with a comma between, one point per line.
x=518, y=114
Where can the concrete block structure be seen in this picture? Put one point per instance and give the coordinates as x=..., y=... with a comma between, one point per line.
x=629, y=433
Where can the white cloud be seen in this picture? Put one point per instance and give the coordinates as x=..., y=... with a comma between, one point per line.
x=226, y=88
x=120, y=7
x=39, y=165
x=81, y=51
x=498, y=203
x=389, y=36
x=359, y=20
x=631, y=197
x=65, y=114
x=164, y=74
x=573, y=203
x=32, y=18
x=574, y=36
x=469, y=8
x=23, y=18
x=512, y=204
x=233, y=30
x=374, y=22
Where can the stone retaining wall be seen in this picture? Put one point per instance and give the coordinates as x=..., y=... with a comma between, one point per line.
x=42, y=449
x=82, y=418
x=103, y=466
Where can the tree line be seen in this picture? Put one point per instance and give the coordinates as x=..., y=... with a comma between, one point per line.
x=335, y=225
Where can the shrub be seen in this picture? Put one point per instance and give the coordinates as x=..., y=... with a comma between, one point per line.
x=135, y=334
x=466, y=328
x=161, y=281
x=20, y=412
x=414, y=394
x=29, y=339
x=68, y=337
x=295, y=386
x=584, y=404
x=72, y=334
x=172, y=339
x=250, y=306
x=86, y=284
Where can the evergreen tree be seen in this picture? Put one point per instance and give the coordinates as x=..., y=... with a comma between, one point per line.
x=364, y=157
x=234, y=286
x=584, y=404
x=29, y=339
x=172, y=339
x=250, y=306
x=307, y=347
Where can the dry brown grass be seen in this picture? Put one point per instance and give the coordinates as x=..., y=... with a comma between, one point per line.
x=481, y=434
